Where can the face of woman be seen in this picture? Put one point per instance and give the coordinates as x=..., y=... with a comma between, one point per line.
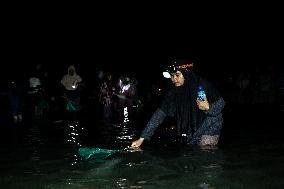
x=71, y=72
x=177, y=79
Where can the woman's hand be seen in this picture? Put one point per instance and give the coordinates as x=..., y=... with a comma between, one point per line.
x=137, y=143
x=203, y=104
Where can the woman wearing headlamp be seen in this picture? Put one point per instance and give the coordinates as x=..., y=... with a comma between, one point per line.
x=199, y=121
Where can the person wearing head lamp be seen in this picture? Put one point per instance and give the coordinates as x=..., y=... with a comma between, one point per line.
x=199, y=117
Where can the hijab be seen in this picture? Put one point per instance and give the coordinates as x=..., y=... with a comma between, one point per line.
x=180, y=102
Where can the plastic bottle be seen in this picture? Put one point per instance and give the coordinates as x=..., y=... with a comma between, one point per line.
x=200, y=93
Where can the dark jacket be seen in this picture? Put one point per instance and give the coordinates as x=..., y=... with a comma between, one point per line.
x=180, y=103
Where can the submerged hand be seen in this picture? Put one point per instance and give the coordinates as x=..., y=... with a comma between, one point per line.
x=137, y=143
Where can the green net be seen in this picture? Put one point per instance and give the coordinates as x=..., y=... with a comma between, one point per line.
x=98, y=153
x=71, y=106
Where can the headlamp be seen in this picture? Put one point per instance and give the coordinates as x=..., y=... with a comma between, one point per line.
x=169, y=71
x=166, y=74
x=177, y=66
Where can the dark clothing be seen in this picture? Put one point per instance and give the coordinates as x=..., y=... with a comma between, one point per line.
x=15, y=94
x=16, y=105
x=180, y=103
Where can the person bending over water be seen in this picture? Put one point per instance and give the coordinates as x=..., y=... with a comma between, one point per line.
x=199, y=117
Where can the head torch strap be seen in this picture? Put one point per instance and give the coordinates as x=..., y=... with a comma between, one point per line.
x=185, y=66
x=174, y=68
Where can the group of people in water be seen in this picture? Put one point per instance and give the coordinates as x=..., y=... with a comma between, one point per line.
x=198, y=121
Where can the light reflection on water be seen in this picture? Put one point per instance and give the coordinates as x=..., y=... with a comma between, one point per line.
x=33, y=144
x=41, y=162
x=73, y=132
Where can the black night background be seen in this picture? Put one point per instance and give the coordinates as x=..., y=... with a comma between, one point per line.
x=242, y=57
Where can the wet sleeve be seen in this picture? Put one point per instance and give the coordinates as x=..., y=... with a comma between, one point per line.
x=63, y=81
x=156, y=119
x=79, y=78
x=216, y=107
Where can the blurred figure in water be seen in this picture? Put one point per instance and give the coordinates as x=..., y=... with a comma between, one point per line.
x=72, y=86
x=127, y=94
x=15, y=94
x=243, y=84
x=106, y=98
x=37, y=95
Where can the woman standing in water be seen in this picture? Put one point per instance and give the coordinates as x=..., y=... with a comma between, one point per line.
x=193, y=102
x=72, y=85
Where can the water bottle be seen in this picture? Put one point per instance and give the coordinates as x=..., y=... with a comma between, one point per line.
x=200, y=93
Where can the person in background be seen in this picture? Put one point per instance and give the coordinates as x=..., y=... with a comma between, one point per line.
x=15, y=94
x=36, y=92
x=127, y=94
x=106, y=98
x=72, y=86
x=193, y=102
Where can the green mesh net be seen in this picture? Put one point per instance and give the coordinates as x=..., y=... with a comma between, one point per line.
x=97, y=153
x=72, y=106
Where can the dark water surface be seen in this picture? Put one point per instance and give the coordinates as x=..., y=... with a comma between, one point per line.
x=44, y=154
